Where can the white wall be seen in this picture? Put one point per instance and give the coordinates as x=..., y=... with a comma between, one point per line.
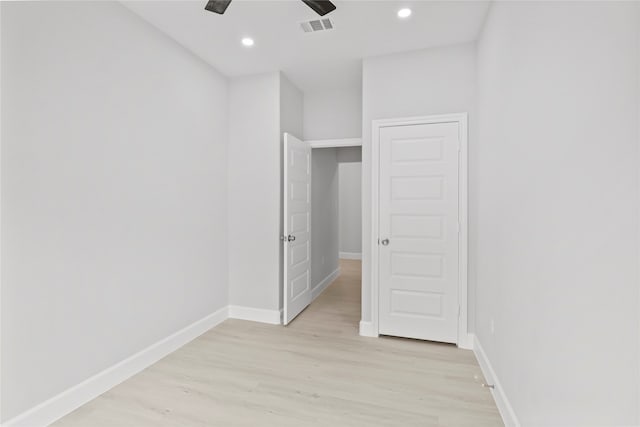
x=349, y=154
x=291, y=108
x=350, y=207
x=432, y=81
x=254, y=191
x=558, y=209
x=113, y=193
x=262, y=107
x=333, y=114
x=291, y=121
x=324, y=214
x=329, y=114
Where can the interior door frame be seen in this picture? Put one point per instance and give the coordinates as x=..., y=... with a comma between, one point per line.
x=464, y=339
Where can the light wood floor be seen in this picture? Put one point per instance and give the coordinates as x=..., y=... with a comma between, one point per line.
x=315, y=372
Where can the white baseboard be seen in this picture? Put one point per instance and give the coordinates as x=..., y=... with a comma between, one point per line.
x=320, y=287
x=466, y=342
x=76, y=396
x=506, y=410
x=255, y=314
x=350, y=255
x=366, y=329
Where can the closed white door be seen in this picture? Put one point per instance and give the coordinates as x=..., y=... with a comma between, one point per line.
x=418, y=231
x=297, y=226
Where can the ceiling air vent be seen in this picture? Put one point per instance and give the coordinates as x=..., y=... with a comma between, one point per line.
x=316, y=25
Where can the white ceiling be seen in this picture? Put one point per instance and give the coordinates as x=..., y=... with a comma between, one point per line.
x=313, y=61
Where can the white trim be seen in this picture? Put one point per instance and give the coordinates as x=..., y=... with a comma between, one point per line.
x=463, y=239
x=320, y=287
x=461, y=119
x=350, y=255
x=367, y=329
x=504, y=406
x=255, y=314
x=62, y=404
x=467, y=342
x=330, y=143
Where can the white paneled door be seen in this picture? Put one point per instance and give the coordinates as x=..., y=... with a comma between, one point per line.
x=297, y=226
x=418, y=231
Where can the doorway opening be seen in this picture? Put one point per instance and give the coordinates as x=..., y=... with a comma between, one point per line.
x=332, y=288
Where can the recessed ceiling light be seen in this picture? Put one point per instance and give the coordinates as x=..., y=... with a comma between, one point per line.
x=404, y=13
x=247, y=41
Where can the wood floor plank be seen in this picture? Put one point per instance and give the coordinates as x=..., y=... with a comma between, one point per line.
x=317, y=371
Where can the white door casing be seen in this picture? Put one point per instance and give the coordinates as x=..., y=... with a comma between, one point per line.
x=419, y=203
x=297, y=226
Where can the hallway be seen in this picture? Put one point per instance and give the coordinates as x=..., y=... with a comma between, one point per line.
x=315, y=372
x=336, y=312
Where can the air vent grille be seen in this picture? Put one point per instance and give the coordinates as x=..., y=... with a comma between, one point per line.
x=316, y=25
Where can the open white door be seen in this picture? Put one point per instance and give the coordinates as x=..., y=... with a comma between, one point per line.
x=297, y=226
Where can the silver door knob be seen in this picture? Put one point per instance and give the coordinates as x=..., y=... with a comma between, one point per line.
x=291, y=238
x=385, y=242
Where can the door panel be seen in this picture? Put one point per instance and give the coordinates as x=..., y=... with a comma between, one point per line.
x=297, y=226
x=418, y=214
